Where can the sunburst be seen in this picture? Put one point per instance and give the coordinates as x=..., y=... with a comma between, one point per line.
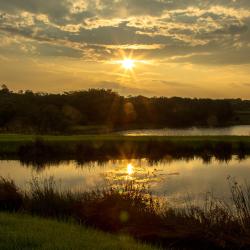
x=128, y=64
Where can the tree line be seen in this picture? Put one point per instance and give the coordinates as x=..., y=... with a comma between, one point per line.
x=26, y=111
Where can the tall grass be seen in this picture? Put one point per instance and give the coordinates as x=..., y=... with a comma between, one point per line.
x=241, y=199
x=132, y=209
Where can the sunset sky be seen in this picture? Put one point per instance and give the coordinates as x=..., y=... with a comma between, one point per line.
x=191, y=48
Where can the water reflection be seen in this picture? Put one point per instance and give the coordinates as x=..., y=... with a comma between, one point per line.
x=40, y=153
x=130, y=169
x=175, y=179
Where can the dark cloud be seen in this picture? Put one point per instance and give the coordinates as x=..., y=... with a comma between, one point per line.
x=56, y=10
x=232, y=30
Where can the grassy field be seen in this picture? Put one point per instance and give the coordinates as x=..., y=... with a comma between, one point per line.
x=113, y=137
x=25, y=232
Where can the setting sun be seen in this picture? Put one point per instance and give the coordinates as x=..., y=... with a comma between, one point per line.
x=128, y=64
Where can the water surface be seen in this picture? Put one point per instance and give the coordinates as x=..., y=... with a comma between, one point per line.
x=175, y=179
x=243, y=130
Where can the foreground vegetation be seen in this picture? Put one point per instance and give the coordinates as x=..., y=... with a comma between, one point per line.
x=20, y=231
x=132, y=210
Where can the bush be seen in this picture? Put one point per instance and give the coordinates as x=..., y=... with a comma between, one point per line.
x=11, y=198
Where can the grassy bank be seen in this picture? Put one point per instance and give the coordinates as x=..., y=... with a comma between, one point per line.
x=132, y=210
x=112, y=137
x=19, y=231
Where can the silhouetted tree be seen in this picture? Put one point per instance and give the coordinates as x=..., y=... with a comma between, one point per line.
x=47, y=113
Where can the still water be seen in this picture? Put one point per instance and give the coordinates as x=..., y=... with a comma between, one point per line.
x=172, y=179
x=243, y=130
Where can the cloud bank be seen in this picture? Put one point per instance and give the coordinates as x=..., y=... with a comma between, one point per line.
x=197, y=31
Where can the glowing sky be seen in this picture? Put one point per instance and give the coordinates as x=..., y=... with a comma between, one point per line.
x=193, y=48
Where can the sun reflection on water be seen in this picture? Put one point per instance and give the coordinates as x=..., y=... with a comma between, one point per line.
x=130, y=169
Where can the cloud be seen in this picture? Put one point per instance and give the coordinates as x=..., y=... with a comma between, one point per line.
x=122, y=88
x=56, y=10
x=174, y=84
x=203, y=32
x=109, y=85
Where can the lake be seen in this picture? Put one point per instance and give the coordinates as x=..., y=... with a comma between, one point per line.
x=174, y=179
x=243, y=130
